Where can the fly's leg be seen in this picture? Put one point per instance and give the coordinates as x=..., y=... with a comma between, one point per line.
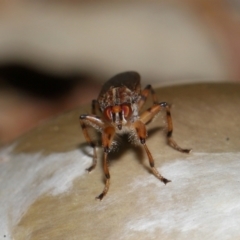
x=107, y=138
x=170, y=139
x=142, y=134
x=88, y=120
x=144, y=95
x=150, y=113
x=107, y=175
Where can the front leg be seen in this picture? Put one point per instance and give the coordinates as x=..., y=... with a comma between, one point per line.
x=142, y=134
x=107, y=138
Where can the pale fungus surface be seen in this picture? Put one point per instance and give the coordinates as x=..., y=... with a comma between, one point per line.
x=47, y=194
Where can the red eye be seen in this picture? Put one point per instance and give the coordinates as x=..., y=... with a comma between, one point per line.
x=127, y=111
x=108, y=113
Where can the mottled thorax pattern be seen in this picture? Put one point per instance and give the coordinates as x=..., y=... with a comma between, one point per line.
x=117, y=96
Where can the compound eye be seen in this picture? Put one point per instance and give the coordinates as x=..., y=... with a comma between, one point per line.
x=127, y=111
x=108, y=113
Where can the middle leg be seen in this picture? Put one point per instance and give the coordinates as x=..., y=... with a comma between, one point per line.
x=98, y=124
x=151, y=112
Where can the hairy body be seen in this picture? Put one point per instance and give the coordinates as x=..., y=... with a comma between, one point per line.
x=120, y=102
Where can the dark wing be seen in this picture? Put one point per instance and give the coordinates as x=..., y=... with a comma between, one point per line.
x=131, y=80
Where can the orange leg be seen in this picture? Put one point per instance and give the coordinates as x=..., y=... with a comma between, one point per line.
x=108, y=133
x=91, y=120
x=107, y=138
x=144, y=95
x=142, y=134
x=150, y=113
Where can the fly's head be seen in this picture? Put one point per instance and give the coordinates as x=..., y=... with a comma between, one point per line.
x=118, y=115
x=119, y=97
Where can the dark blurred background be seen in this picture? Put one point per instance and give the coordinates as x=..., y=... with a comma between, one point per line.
x=54, y=55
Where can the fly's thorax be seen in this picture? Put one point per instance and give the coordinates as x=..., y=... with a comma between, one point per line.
x=117, y=96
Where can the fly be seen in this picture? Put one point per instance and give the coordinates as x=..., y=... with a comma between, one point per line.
x=120, y=102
